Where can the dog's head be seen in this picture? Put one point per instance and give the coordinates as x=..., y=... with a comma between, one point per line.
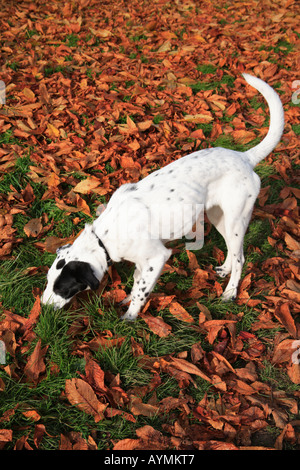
x=77, y=267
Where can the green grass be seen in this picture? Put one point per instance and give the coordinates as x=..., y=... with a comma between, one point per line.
x=210, y=84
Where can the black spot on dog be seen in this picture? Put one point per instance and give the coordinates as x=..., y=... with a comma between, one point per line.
x=75, y=277
x=60, y=264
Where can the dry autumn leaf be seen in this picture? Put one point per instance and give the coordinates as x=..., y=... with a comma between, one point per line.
x=86, y=186
x=81, y=394
x=33, y=228
x=35, y=366
x=180, y=313
x=157, y=325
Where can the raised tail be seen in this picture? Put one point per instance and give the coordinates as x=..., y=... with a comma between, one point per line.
x=258, y=153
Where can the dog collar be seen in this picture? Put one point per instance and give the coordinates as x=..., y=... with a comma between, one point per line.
x=108, y=258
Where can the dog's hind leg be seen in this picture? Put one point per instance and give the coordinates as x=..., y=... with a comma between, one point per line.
x=236, y=226
x=147, y=274
x=216, y=217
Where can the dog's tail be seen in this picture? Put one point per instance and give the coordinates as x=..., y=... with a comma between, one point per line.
x=258, y=153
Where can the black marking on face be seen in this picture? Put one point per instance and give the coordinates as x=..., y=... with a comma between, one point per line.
x=60, y=264
x=75, y=277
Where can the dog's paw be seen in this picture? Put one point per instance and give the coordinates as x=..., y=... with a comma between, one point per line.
x=129, y=317
x=229, y=295
x=222, y=271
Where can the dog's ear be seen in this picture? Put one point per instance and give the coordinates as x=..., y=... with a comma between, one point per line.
x=87, y=275
x=75, y=277
x=83, y=273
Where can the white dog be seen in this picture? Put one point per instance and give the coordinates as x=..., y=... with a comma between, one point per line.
x=137, y=217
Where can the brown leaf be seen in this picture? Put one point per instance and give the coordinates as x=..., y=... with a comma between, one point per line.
x=243, y=136
x=33, y=316
x=126, y=444
x=32, y=415
x=74, y=441
x=293, y=371
x=283, y=314
x=243, y=388
x=186, y=366
x=39, y=432
x=283, y=351
x=5, y=436
x=35, y=366
x=137, y=407
x=137, y=349
x=86, y=186
x=44, y=95
x=198, y=118
x=94, y=374
x=180, y=313
x=33, y=228
x=81, y=394
x=114, y=296
x=292, y=244
x=214, y=326
x=157, y=325
x=52, y=131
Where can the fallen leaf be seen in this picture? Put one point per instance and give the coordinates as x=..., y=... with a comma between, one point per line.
x=81, y=394
x=180, y=313
x=35, y=365
x=86, y=186
x=186, y=366
x=33, y=228
x=157, y=325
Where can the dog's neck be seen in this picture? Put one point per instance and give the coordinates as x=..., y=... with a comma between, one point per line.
x=101, y=244
x=92, y=250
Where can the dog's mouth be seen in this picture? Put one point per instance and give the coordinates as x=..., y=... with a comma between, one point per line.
x=54, y=300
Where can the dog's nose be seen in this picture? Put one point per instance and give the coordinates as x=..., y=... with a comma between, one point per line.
x=47, y=298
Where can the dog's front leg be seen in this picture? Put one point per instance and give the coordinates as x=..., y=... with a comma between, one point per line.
x=144, y=283
x=136, y=278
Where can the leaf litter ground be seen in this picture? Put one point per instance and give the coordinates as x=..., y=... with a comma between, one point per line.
x=100, y=96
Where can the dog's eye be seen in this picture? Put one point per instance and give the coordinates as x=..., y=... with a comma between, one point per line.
x=60, y=264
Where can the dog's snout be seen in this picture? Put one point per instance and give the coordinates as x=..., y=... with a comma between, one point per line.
x=55, y=301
